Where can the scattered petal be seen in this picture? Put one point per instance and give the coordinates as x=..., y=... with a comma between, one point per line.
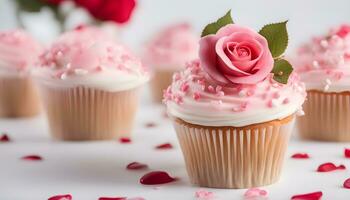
x=61, y=197
x=255, y=193
x=32, y=158
x=4, y=138
x=150, y=125
x=308, y=196
x=327, y=167
x=136, y=198
x=347, y=153
x=346, y=183
x=301, y=156
x=165, y=146
x=204, y=195
x=136, y=165
x=124, y=140
x=156, y=177
x=112, y=198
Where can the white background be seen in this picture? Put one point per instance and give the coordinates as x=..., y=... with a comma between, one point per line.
x=88, y=170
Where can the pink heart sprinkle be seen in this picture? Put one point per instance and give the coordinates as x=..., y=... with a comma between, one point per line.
x=124, y=140
x=300, y=156
x=204, y=195
x=254, y=193
x=4, y=138
x=327, y=167
x=308, y=196
x=61, y=197
x=32, y=158
x=346, y=183
x=164, y=146
x=136, y=165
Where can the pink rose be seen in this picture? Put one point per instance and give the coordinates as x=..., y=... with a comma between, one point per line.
x=236, y=54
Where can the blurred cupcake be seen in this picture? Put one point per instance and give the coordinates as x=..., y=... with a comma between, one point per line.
x=89, y=86
x=233, y=109
x=18, y=95
x=324, y=66
x=167, y=53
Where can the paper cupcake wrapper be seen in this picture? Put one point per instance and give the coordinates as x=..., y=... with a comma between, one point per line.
x=327, y=117
x=89, y=114
x=18, y=97
x=160, y=81
x=229, y=157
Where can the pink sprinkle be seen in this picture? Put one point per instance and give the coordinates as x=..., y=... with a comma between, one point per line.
x=196, y=96
x=201, y=82
x=264, y=96
x=338, y=75
x=184, y=87
x=178, y=99
x=285, y=101
x=250, y=93
x=220, y=93
x=218, y=88
x=254, y=193
x=99, y=69
x=204, y=195
x=276, y=95
x=211, y=88
x=176, y=76
x=244, y=105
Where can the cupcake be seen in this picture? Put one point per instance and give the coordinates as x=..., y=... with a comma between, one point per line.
x=233, y=109
x=89, y=86
x=167, y=53
x=324, y=66
x=18, y=95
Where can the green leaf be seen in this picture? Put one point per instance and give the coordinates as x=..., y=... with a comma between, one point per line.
x=215, y=26
x=282, y=70
x=31, y=5
x=277, y=37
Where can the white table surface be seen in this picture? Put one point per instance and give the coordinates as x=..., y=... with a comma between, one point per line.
x=89, y=170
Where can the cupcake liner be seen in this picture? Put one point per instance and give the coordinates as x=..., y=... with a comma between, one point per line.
x=160, y=81
x=18, y=97
x=82, y=113
x=234, y=157
x=327, y=117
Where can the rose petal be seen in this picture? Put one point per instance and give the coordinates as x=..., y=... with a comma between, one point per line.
x=254, y=193
x=347, y=153
x=150, y=125
x=61, y=197
x=4, y=138
x=124, y=140
x=136, y=165
x=346, y=183
x=112, y=198
x=300, y=156
x=327, y=167
x=32, y=158
x=204, y=195
x=308, y=196
x=156, y=177
x=164, y=146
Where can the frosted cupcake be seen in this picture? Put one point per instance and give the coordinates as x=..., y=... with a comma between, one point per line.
x=167, y=53
x=18, y=95
x=89, y=86
x=233, y=109
x=324, y=66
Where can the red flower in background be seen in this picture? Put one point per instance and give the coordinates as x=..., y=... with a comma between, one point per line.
x=109, y=10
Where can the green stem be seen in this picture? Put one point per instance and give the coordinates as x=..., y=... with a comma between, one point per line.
x=18, y=17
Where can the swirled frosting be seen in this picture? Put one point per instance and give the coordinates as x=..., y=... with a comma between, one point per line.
x=18, y=52
x=86, y=57
x=172, y=48
x=195, y=98
x=324, y=62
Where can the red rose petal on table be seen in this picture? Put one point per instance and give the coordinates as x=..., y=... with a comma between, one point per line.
x=112, y=198
x=150, y=125
x=61, y=197
x=32, y=158
x=346, y=183
x=165, y=146
x=308, y=196
x=156, y=177
x=136, y=165
x=327, y=167
x=4, y=138
x=347, y=153
x=300, y=156
x=124, y=140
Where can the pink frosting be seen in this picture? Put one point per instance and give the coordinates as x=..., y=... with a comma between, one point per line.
x=88, y=50
x=18, y=50
x=236, y=54
x=172, y=47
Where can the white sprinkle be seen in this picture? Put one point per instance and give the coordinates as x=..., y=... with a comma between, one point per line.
x=324, y=43
x=63, y=76
x=80, y=71
x=69, y=65
x=242, y=93
x=328, y=82
x=315, y=64
x=326, y=87
x=300, y=112
x=59, y=54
